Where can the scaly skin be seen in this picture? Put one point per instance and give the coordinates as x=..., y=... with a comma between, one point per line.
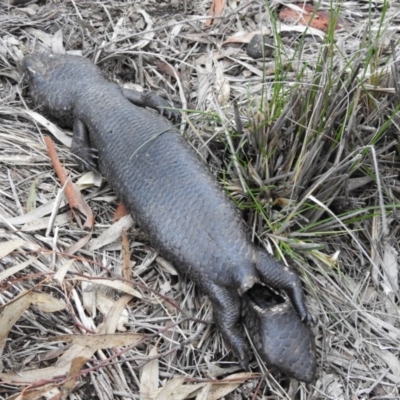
x=159, y=178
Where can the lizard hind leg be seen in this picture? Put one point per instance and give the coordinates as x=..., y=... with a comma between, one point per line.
x=227, y=310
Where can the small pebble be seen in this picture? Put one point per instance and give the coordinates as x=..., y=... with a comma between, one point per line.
x=260, y=46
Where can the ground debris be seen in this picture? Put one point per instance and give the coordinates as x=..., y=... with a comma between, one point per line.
x=314, y=170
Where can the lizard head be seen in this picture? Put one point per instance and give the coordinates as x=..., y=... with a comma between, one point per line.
x=52, y=85
x=280, y=337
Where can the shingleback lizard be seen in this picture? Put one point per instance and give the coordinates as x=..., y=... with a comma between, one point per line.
x=178, y=203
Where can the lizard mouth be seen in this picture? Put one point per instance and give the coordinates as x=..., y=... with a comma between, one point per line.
x=264, y=298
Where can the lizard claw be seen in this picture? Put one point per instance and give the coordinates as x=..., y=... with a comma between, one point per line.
x=172, y=115
x=87, y=157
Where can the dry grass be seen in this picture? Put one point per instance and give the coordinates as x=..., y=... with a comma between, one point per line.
x=315, y=172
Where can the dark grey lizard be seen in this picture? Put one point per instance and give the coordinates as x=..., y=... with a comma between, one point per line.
x=177, y=202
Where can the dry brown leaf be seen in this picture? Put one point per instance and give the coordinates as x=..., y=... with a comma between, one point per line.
x=306, y=30
x=114, y=284
x=33, y=215
x=205, y=392
x=148, y=33
x=57, y=46
x=46, y=392
x=166, y=266
x=34, y=375
x=149, y=376
x=391, y=360
x=82, y=242
x=46, y=303
x=16, y=268
x=171, y=389
x=10, y=316
x=61, y=368
x=182, y=392
x=54, y=129
x=15, y=308
x=117, y=315
x=43, y=223
x=62, y=271
x=29, y=11
x=391, y=270
x=89, y=179
x=32, y=196
x=97, y=342
x=228, y=384
x=111, y=234
x=41, y=35
x=11, y=245
x=240, y=37
x=20, y=159
x=245, y=37
x=76, y=365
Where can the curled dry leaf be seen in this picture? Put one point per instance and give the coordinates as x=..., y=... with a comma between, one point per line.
x=126, y=257
x=307, y=14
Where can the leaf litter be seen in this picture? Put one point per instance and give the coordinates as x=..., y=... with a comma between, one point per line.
x=314, y=170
